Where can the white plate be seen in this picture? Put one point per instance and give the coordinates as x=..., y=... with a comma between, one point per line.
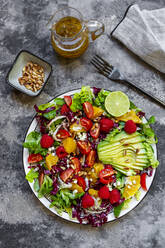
x=65, y=216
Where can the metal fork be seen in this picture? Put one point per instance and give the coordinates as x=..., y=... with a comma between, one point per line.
x=114, y=74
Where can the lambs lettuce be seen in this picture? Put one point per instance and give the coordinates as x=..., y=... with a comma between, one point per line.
x=64, y=199
x=46, y=186
x=31, y=175
x=33, y=143
x=85, y=95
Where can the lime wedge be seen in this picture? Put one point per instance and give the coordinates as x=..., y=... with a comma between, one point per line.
x=117, y=103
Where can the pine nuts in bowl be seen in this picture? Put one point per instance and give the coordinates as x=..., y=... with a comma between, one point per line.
x=29, y=73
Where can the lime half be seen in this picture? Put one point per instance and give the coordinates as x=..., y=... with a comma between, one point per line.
x=117, y=103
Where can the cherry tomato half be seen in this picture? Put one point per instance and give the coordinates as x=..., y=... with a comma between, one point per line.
x=84, y=146
x=66, y=174
x=62, y=134
x=105, y=175
x=86, y=123
x=143, y=181
x=95, y=131
x=88, y=109
x=81, y=182
x=90, y=160
x=68, y=100
x=34, y=158
x=76, y=164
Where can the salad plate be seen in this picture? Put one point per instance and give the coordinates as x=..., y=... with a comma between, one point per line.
x=108, y=208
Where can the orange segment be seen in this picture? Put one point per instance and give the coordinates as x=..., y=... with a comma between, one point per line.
x=132, y=186
x=131, y=115
x=97, y=112
x=69, y=145
x=51, y=160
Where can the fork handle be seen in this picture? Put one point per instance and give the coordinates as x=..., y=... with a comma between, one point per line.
x=144, y=92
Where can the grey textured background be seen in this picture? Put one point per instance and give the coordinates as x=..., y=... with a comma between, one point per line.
x=24, y=222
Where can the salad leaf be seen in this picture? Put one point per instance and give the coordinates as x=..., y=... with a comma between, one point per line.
x=148, y=131
x=46, y=186
x=151, y=120
x=85, y=95
x=64, y=199
x=132, y=105
x=120, y=181
x=59, y=101
x=31, y=175
x=126, y=204
x=137, y=195
x=100, y=99
x=118, y=209
x=45, y=106
x=36, y=185
x=50, y=115
x=76, y=103
x=33, y=143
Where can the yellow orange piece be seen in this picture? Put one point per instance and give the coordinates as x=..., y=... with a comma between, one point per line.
x=69, y=145
x=77, y=187
x=93, y=192
x=98, y=167
x=97, y=112
x=132, y=186
x=131, y=115
x=51, y=160
x=76, y=128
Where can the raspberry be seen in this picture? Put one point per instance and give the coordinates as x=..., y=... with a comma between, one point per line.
x=130, y=127
x=104, y=192
x=61, y=153
x=114, y=196
x=87, y=201
x=46, y=141
x=106, y=125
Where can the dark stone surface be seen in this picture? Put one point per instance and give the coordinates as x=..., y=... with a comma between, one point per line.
x=24, y=222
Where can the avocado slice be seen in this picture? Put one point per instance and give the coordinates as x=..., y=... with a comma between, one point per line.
x=126, y=152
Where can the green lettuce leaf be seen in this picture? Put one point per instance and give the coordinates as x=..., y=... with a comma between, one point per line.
x=100, y=99
x=33, y=143
x=64, y=199
x=85, y=95
x=31, y=175
x=117, y=210
x=46, y=186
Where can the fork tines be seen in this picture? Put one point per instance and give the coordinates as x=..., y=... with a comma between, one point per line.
x=101, y=65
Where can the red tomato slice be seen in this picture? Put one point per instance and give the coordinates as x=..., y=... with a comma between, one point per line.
x=90, y=160
x=95, y=131
x=66, y=174
x=62, y=134
x=88, y=109
x=76, y=164
x=105, y=175
x=143, y=181
x=84, y=146
x=86, y=123
x=68, y=100
x=34, y=158
x=81, y=182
